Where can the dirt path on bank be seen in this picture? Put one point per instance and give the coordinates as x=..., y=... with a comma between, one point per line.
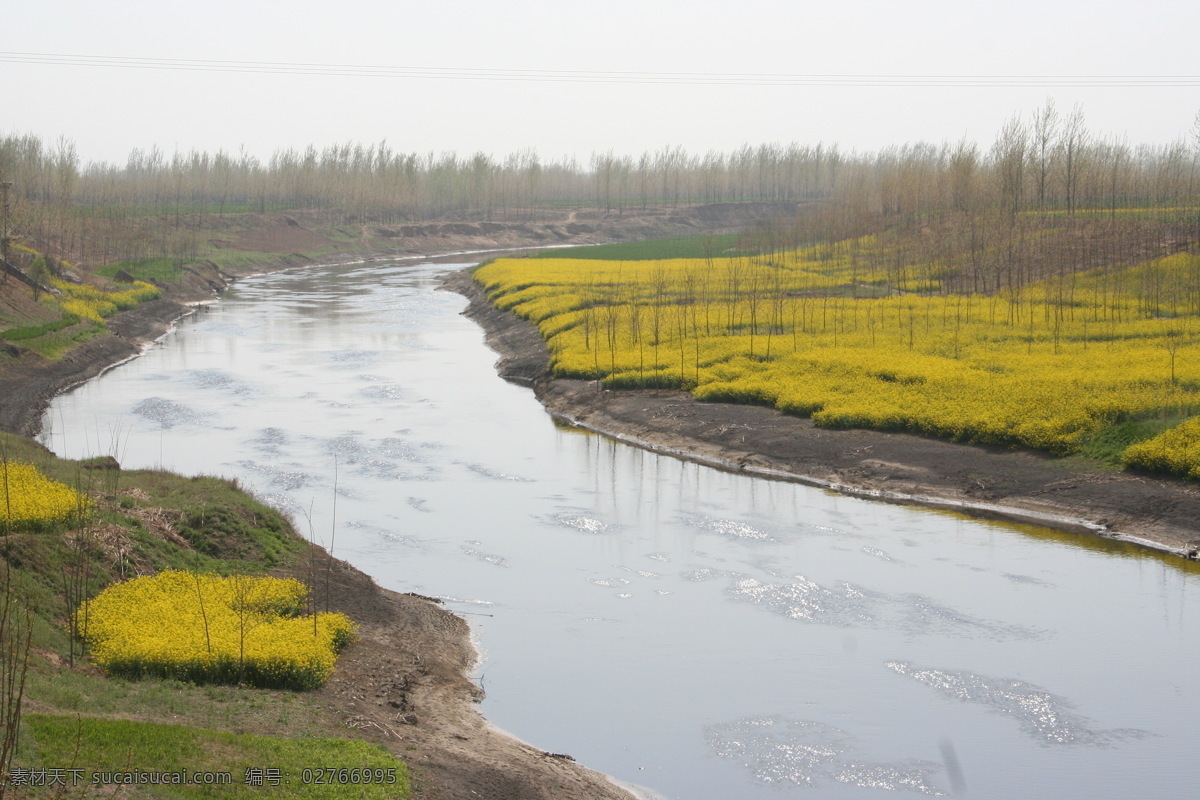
x=982, y=481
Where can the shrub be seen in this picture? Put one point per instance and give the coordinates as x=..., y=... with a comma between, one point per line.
x=28, y=499
x=1175, y=451
x=214, y=629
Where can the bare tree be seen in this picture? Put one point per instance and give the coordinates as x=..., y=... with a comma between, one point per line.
x=1045, y=132
x=1073, y=140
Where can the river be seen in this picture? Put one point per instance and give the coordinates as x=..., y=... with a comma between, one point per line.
x=702, y=634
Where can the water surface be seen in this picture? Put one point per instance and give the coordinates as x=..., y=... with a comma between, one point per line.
x=700, y=633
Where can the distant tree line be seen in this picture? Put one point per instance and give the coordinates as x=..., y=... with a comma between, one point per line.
x=160, y=205
x=1048, y=199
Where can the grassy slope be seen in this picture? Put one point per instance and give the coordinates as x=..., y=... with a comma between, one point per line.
x=675, y=247
x=78, y=718
x=232, y=242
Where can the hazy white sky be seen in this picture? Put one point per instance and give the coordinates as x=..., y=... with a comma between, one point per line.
x=109, y=110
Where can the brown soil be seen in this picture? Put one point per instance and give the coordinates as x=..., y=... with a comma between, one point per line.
x=275, y=235
x=980, y=481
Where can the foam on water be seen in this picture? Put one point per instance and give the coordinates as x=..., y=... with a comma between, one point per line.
x=471, y=549
x=1028, y=580
x=352, y=359
x=389, y=459
x=285, y=478
x=495, y=474
x=609, y=582
x=168, y=413
x=383, y=391
x=703, y=574
x=580, y=522
x=843, y=604
x=920, y=614
x=270, y=440
x=808, y=754
x=642, y=573
x=730, y=528
x=1043, y=715
x=218, y=379
x=806, y=600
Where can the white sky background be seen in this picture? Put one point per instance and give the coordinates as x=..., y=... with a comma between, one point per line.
x=108, y=111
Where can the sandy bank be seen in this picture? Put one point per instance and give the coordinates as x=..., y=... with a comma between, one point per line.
x=986, y=482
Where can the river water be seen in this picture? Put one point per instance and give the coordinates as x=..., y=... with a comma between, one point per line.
x=705, y=635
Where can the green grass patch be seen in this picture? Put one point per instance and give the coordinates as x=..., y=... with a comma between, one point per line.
x=162, y=270
x=654, y=249
x=34, y=331
x=179, y=209
x=54, y=345
x=196, y=763
x=12, y=316
x=1107, y=445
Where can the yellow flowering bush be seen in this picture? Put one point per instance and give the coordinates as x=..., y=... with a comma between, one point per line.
x=1176, y=451
x=93, y=310
x=213, y=629
x=28, y=499
x=95, y=304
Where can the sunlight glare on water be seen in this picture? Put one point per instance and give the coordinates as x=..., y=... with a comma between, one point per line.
x=700, y=633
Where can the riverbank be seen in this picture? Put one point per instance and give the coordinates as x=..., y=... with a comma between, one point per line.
x=989, y=482
x=404, y=683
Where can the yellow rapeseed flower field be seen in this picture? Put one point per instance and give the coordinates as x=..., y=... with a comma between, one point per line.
x=213, y=629
x=28, y=499
x=1046, y=365
x=94, y=304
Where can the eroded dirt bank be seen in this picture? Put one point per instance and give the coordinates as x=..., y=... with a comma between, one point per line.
x=29, y=383
x=982, y=481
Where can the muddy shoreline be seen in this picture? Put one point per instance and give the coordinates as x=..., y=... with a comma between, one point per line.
x=987, y=482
